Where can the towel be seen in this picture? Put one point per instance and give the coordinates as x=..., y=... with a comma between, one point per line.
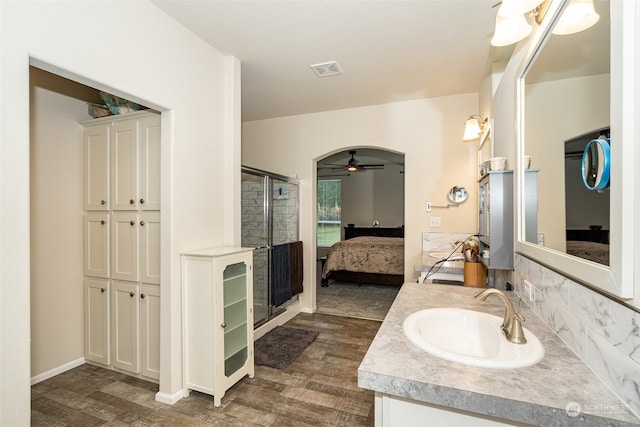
x=280, y=274
x=295, y=255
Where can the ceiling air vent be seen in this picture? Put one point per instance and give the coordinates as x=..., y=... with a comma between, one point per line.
x=326, y=69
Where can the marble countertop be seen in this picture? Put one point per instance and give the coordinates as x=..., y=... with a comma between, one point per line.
x=537, y=395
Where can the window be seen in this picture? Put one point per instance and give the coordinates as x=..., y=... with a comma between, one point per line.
x=329, y=211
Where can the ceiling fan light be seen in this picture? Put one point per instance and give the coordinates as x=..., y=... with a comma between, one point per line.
x=513, y=8
x=578, y=16
x=510, y=30
x=352, y=168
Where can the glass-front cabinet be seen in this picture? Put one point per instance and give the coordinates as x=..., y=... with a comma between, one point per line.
x=234, y=297
x=217, y=287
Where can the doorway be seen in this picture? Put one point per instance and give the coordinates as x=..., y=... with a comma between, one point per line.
x=356, y=187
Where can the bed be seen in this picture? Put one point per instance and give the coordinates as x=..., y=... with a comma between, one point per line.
x=366, y=259
x=591, y=244
x=593, y=251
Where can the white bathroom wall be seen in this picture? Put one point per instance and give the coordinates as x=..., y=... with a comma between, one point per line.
x=134, y=50
x=56, y=226
x=427, y=131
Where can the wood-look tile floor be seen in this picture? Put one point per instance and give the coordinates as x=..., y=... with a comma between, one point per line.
x=318, y=389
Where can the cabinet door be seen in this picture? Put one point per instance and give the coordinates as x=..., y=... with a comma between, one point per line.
x=96, y=168
x=125, y=326
x=125, y=244
x=124, y=166
x=150, y=331
x=96, y=320
x=150, y=247
x=96, y=244
x=150, y=163
x=237, y=320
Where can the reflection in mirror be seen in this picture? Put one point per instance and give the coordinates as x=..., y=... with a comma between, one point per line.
x=566, y=105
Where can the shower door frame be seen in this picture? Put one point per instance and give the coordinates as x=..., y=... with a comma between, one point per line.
x=268, y=179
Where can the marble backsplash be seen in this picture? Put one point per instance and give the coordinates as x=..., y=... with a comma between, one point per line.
x=602, y=332
x=445, y=242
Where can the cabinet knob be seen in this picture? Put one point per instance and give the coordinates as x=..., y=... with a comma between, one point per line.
x=103, y=202
x=142, y=296
x=131, y=294
x=142, y=223
x=102, y=290
x=224, y=325
x=102, y=222
x=131, y=201
x=142, y=201
x=132, y=222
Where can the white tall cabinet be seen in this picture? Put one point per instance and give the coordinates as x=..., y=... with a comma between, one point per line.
x=217, y=296
x=122, y=242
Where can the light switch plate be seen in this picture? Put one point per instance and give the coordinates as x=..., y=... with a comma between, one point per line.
x=434, y=221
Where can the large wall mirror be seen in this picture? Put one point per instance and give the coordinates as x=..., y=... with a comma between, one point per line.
x=570, y=93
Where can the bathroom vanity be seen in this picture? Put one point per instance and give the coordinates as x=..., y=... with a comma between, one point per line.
x=412, y=386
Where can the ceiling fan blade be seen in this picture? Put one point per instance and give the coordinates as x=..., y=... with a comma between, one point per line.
x=371, y=166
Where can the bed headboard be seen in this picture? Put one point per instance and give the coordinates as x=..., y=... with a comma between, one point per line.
x=351, y=232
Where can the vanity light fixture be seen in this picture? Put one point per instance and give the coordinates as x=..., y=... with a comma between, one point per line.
x=510, y=30
x=511, y=21
x=473, y=128
x=512, y=25
x=578, y=16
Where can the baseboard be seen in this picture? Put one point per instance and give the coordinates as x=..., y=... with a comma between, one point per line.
x=57, y=370
x=169, y=399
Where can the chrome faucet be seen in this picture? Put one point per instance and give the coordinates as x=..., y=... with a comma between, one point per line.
x=512, y=323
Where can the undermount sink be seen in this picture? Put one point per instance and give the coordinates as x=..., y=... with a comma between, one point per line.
x=456, y=256
x=470, y=338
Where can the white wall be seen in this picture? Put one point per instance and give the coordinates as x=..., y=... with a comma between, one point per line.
x=131, y=49
x=427, y=131
x=374, y=195
x=56, y=227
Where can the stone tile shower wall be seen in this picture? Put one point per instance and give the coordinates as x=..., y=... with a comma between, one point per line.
x=254, y=232
x=602, y=332
x=285, y=212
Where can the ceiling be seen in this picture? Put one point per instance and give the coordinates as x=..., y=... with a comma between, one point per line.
x=388, y=50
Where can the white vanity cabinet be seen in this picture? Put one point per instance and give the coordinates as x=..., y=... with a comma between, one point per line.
x=217, y=288
x=122, y=243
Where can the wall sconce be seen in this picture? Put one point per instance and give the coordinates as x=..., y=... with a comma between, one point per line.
x=473, y=128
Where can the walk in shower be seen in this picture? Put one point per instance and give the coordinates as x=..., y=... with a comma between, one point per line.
x=270, y=217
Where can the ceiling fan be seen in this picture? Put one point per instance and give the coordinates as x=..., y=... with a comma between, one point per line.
x=354, y=165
